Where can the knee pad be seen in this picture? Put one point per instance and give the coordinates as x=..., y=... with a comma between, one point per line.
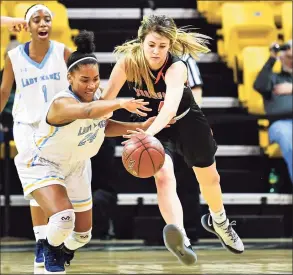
x=34, y=203
x=60, y=226
x=78, y=239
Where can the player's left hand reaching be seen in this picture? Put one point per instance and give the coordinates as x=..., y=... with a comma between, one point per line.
x=132, y=133
x=145, y=125
x=135, y=106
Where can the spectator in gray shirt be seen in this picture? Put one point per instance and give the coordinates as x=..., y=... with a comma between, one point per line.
x=276, y=89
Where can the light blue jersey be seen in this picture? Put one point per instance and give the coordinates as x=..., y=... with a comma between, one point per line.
x=37, y=83
x=77, y=141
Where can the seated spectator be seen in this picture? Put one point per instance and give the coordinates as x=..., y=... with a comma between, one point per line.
x=276, y=89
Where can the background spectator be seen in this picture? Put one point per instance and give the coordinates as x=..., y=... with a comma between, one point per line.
x=276, y=89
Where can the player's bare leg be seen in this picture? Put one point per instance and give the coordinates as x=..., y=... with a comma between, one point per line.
x=216, y=222
x=171, y=209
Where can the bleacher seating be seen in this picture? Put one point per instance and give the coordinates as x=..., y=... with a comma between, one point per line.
x=5, y=36
x=253, y=60
x=10, y=6
x=286, y=15
x=247, y=30
x=272, y=150
x=12, y=148
x=212, y=10
x=244, y=25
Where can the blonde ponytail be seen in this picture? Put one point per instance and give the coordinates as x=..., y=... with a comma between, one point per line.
x=189, y=42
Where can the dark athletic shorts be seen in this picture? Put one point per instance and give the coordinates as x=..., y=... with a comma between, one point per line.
x=190, y=137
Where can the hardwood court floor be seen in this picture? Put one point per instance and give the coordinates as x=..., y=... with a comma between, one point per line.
x=267, y=261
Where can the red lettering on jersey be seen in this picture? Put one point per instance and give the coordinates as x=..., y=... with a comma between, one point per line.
x=159, y=95
x=137, y=92
x=147, y=94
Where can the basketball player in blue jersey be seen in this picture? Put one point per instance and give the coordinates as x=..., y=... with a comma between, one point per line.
x=54, y=169
x=154, y=71
x=39, y=70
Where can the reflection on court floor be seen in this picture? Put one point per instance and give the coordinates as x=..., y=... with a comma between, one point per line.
x=157, y=260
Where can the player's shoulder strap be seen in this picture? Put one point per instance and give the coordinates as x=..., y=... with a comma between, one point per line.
x=58, y=48
x=171, y=60
x=58, y=45
x=14, y=52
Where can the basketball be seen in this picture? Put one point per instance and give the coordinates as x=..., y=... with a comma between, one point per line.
x=143, y=156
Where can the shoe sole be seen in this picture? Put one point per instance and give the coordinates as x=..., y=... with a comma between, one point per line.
x=48, y=272
x=174, y=242
x=231, y=249
x=38, y=264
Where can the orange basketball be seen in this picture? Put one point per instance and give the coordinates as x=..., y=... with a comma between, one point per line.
x=143, y=156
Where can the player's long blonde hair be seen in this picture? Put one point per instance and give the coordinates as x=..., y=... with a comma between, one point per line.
x=182, y=41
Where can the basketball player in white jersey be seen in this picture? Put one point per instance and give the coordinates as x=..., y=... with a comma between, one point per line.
x=39, y=70
x=54, y=169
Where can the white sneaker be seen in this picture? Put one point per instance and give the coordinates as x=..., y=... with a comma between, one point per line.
x=224, y=232
x=174, y=241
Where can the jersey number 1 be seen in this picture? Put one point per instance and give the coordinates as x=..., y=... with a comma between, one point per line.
x=44, y=88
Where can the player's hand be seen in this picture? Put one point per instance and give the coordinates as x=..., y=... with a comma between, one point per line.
x=273, y=53
x=172, y=121
x=146, y=124
x=135, y=106
x=132, y=133
x=283, y=89
x=17, y=25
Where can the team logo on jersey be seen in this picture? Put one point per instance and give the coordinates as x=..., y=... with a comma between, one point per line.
x=145, y=93
x=32, y=80
x=98, y=123
x=90, y=136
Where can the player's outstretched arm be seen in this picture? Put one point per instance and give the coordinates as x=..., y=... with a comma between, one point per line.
x=116, y=81
x=67, y=109
x=175, y=78
x=116, y=128
x=67, y=53
x=6, y=84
